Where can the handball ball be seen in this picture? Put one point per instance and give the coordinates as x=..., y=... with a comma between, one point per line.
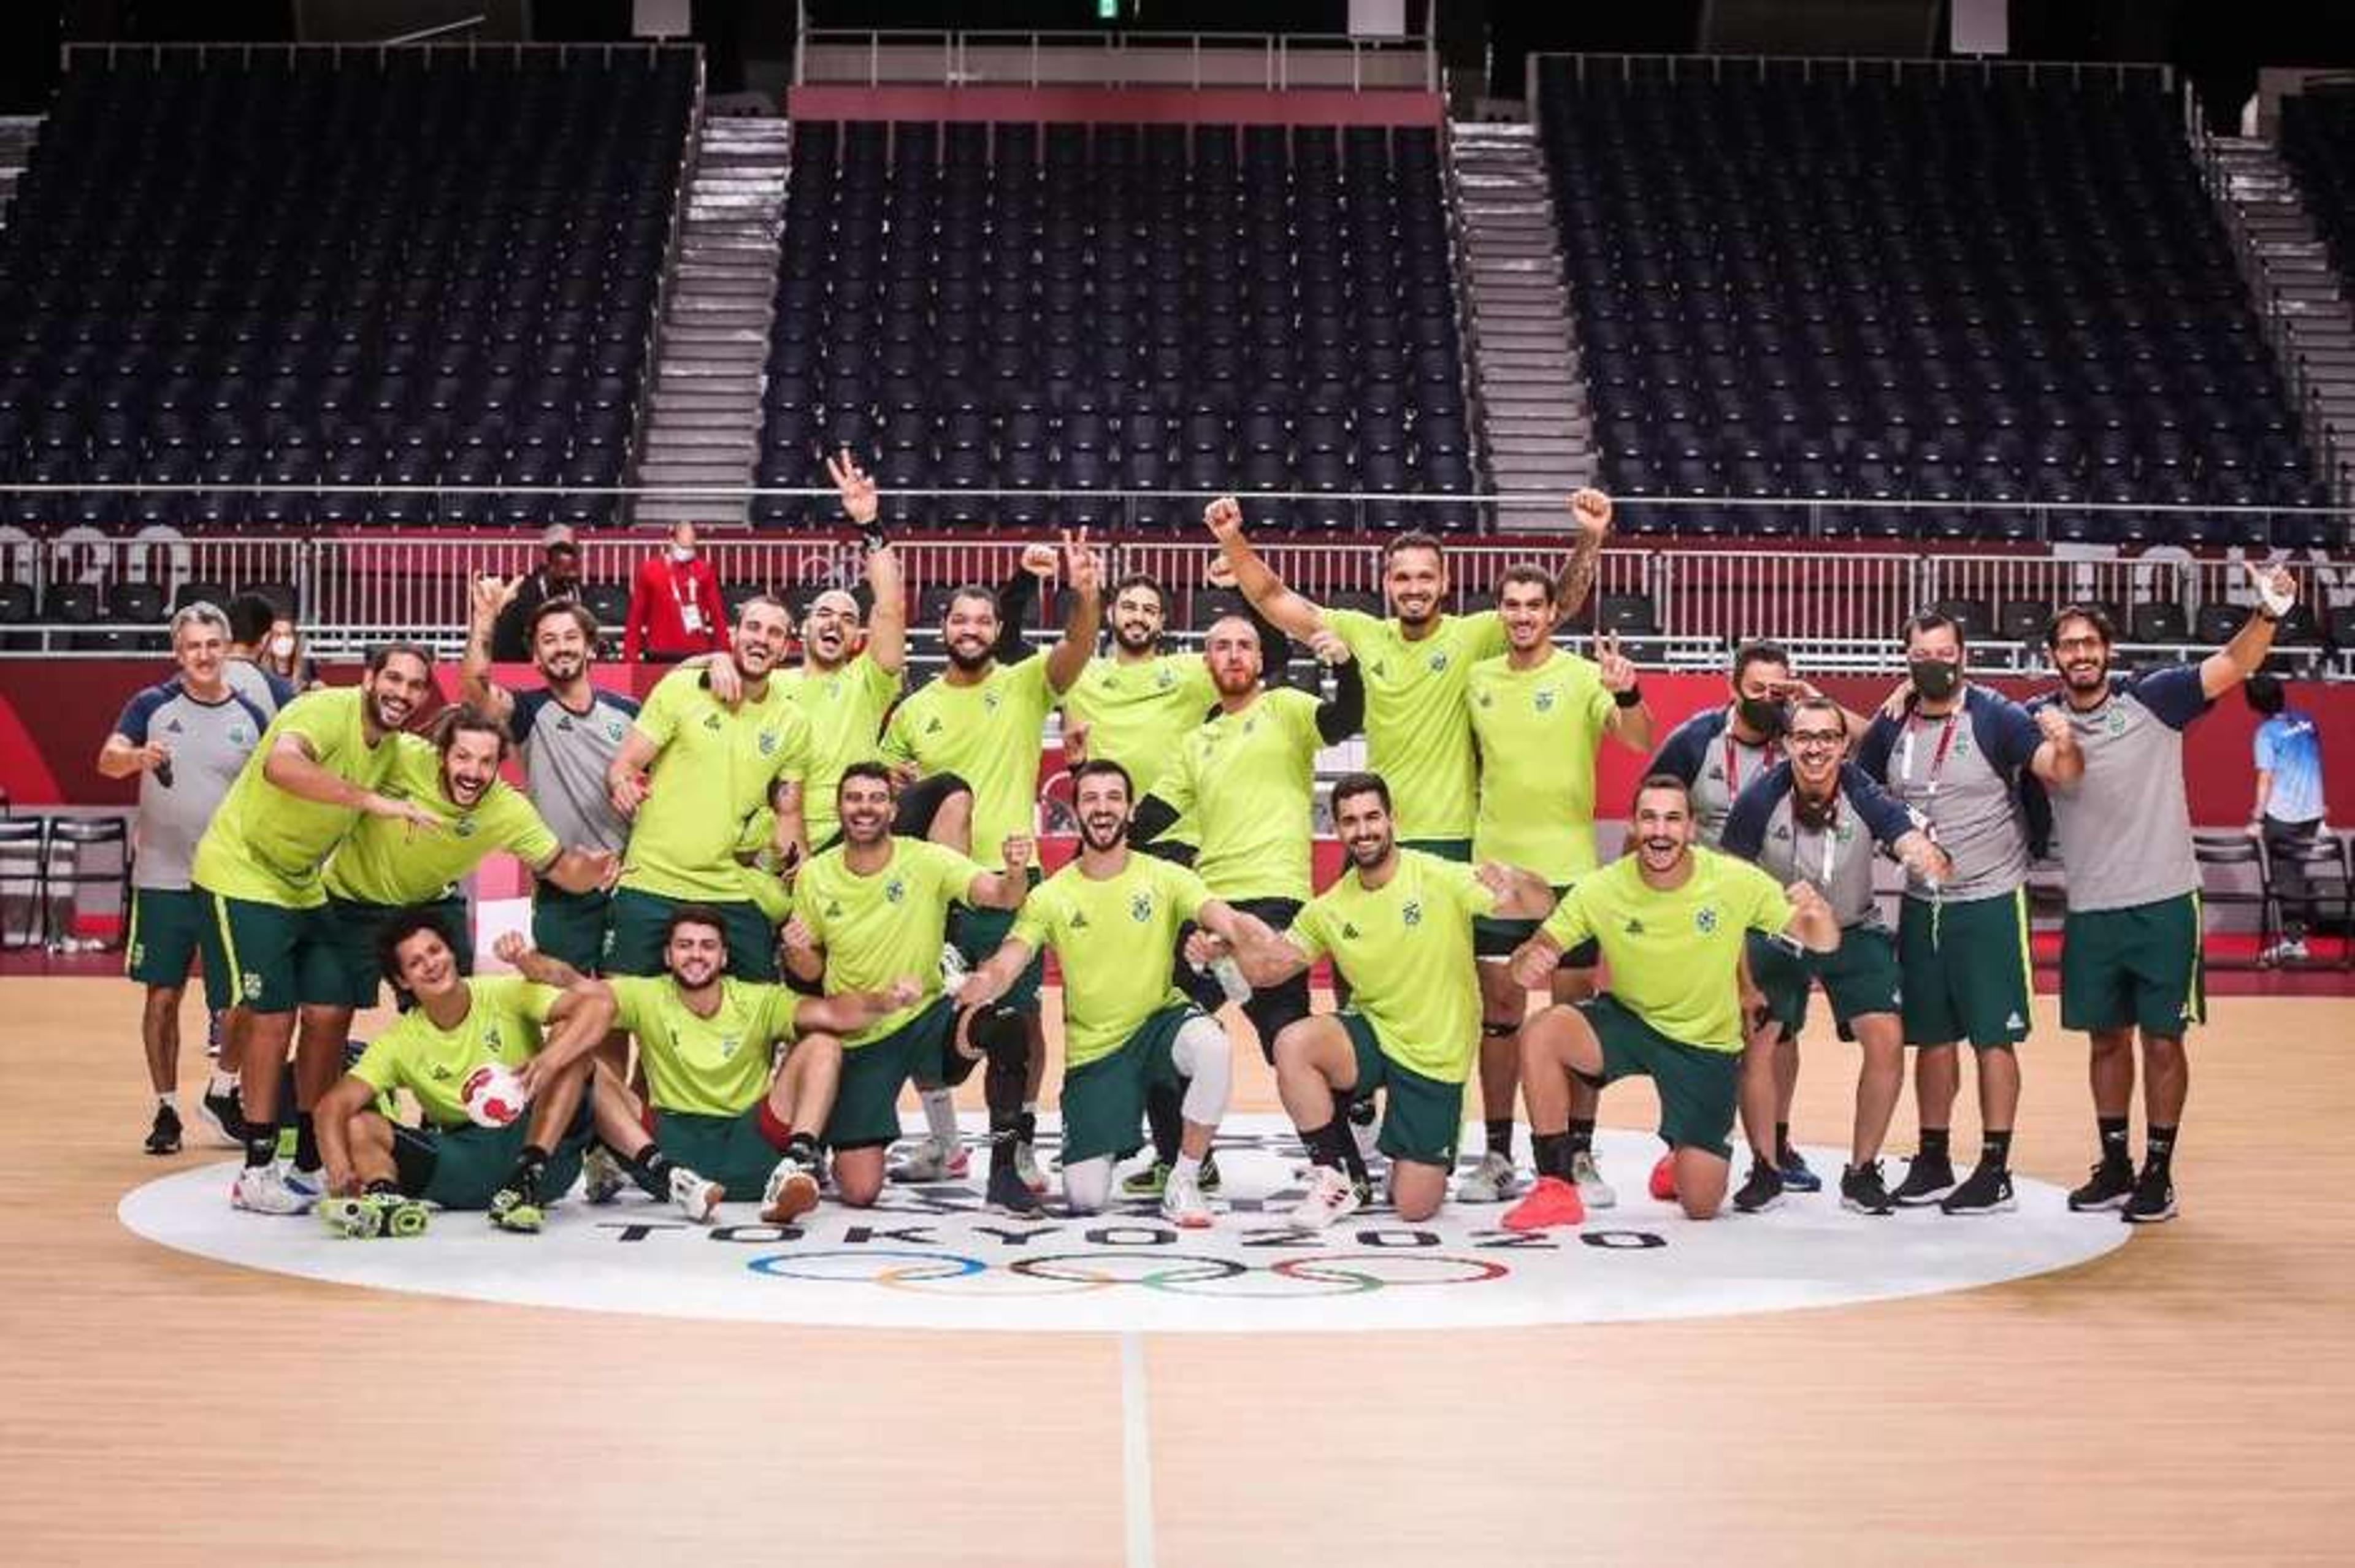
x=492, y=1095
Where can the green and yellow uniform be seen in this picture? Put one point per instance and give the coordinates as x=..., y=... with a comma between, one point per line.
x=706, y=1077
x=1673, y=1013
x=1413, y=1018
x=1248, y=782
x=846, y=708
x=261, y=862
x=1120, y=1011
x=1539, y=731
x=1418, y=728
x=1139, y=714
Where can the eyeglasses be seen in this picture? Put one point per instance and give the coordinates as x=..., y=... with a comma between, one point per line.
x=1812, y=738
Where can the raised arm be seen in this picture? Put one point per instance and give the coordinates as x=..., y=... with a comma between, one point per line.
x=1343, y=714
x=292, y=768
x=2058, y=761
x=1293, y=615
x=1591, y=509
x=539, y=968
x=490, y=598
x=847, y=1012
x=1082, y=618
x=2241, y=658
x=1630, y=723
x=1014, y=596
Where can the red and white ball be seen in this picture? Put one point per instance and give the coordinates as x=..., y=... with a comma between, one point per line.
x=492, y=1095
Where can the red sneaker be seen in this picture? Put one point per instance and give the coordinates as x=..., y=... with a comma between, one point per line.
x=1664, y=1178
x=1552, y=1201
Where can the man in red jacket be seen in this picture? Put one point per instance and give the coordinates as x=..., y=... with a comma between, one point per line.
x=674, y=611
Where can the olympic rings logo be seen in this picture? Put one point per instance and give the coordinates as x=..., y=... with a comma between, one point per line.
x=1178, y=1274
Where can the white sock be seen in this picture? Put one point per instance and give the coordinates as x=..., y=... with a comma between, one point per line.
x=1029, y=1107
x=1186, y=1166
x=170, y=1100
x=222, y=1082
x=939, y=1113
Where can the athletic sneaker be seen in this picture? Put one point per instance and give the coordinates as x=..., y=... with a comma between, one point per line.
x=1147, y=1181
x=1551, y=1201
x=1988, y=1190
x=2284, y=952
x=164, y=1137
x=1182, y=1204
x=1331, y=1195
x=1009, y=1194
x=1490, y=1182
x=309, y=1184
x=1026, y=1166
x=2111, y=1182
x=1587, y=1176
x=934, y=1159
x=1761, y=1191
x=374, y=1214
x=224, y=1119
x=1863, y=1192
x=1798, y=1176
x=791, y=1194
x=1663, y=1182
x=602, y=1179
x=696, y=1198
x=1928, y=1178
x=2153, y=1202
x=263, y=1189
x=513, y=1210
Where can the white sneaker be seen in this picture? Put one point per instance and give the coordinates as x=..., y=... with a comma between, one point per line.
x=263, y=1189
x=1491, y=1181
x=1026, y=1166
x=1182, y=1203
x=934, y=1160
x=791, y=1194
x=953, y=971
x=308, y=1184
x=601, y=1178
x=1587, y=1177
x=696, y=1198
x=2295, y=952
x=1330, y=1196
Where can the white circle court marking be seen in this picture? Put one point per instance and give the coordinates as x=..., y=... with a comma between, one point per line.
x=934, y=1258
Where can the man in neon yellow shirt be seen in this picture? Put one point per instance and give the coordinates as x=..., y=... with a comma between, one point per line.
x=1672, y=920
x=1109, y=915
x=1134, y=703
x=869, y=911
x=260, y=865
x=380, y=1174
x=694, y=771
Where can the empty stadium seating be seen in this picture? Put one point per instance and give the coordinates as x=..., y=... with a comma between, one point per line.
x=1979, y=288
x=1116, y=306
x=407, y=267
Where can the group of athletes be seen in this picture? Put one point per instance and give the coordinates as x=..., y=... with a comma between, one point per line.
x=774, y=895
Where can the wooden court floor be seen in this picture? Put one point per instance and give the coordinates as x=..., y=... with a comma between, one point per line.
x=2189, y=1398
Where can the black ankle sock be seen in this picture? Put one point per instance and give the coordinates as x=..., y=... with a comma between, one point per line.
x=2113, y=1130
x=1934, y=1144
x=1580, y=1134
x=1995, y=1150
x=1554, y=1151
x=1331, y=1145
x=382, y=1187
x=650, y=1168
x=2159, y=1150
x=306, y=1142
x=261, y=1143
x=801, y=1148
x=1500, y=1137
x=529, y=1166
x=1165, y=1115
x=1344, y=1118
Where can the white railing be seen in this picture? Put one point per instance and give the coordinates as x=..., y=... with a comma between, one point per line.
x=1111, y=58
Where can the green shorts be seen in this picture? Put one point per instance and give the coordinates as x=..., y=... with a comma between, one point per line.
x=1859, y=975
x=1104, y=1100
x=346, y=970
x=1965, y=970
x=866, y=1105
x=978, y=933
x=1422, y=1117
x=462, y=1166
x=259, y=956
x=167, y=932
x=2135, y=968
x=640, y=925
x=1698, y=1088
x=571, y=927
x=1496, y=938
x=729, y=1150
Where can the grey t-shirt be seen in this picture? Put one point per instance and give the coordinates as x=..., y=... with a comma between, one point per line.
x=266, y=691
x=209, y=742
x=2125, y=828
x=565, y=755
x=1960, y=772
x=1835, y=855
x=1715, y=766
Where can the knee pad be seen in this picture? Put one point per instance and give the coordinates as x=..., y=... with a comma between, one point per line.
x=1087, y=1185
x=1206, y=1062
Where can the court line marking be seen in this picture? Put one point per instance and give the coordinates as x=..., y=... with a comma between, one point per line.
x=1135, y=1452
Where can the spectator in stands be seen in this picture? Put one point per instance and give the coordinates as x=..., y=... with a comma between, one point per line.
x=558, y=577
x=2289, y=810
x=674, y=611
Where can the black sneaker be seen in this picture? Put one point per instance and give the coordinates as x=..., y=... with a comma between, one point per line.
x=1761, y=1191
x=1863, y=1192
x=1008, y=1194
x=1928, y=1178
x=2153, y=1202
x=164, y=1137
x=1988, y=1191
x=1209, y=1179
x=2107, y=1187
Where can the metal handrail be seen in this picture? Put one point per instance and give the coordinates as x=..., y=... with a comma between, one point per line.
x=956, y=45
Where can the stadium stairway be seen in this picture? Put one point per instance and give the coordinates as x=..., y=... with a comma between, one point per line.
x=18, y=134
x=1527, y=372
x=705, y=419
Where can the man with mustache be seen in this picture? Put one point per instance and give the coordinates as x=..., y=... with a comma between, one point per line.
x=1955, y=753
x=1398, y=925
x=320, y=767
x=1670, y=920
x=2130, y=948
x=1816, y=817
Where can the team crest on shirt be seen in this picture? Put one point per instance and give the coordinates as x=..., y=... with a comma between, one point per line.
x=613, y=731
x=1705, y=919
x=464, y=828
x=1438, y=662
x=895, y=890
x=989, y=700
x=768, y=742
x=728, y=1044
x=1165, y=678
x=239, y=735
x=1544, y=700
x=1411, y=912
x=1140, y=907
x=2118, y=721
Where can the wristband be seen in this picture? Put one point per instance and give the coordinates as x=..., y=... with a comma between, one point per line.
x=1631, y=698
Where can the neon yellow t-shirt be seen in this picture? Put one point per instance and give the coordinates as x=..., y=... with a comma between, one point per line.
x=879, y=927
x=711, y=775
x=1114, y=938
x=1539, y=731
x=845, y=710
x=1406, y=950
x=717, y=1066
x=1139, y=714
x=1673, y=955
x=267, y=845
x=1248, y=781
x=386, y=862
x=1418, y=732
x=988, y=734
x=504, y=1017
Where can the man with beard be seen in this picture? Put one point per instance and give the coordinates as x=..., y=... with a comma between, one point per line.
x=2130, y=947
x=1398, y=926
x=1133, y=704
x=319, y=768
x=1816, y=818
x=1953, y=754
x=693, y=771
x=558, y=577
x=1109, y=915
x=870, y=911
x=980, y=723
x=1670, y=920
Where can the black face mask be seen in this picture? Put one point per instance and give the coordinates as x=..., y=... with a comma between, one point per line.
x=1934, y=678
x=1762, y=714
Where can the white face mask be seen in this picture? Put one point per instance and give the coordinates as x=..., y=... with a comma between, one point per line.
x=681, y=552
x=282, y=647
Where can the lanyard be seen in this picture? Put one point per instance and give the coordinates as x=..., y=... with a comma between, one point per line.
x=1937, y=758
x=1732, y=767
